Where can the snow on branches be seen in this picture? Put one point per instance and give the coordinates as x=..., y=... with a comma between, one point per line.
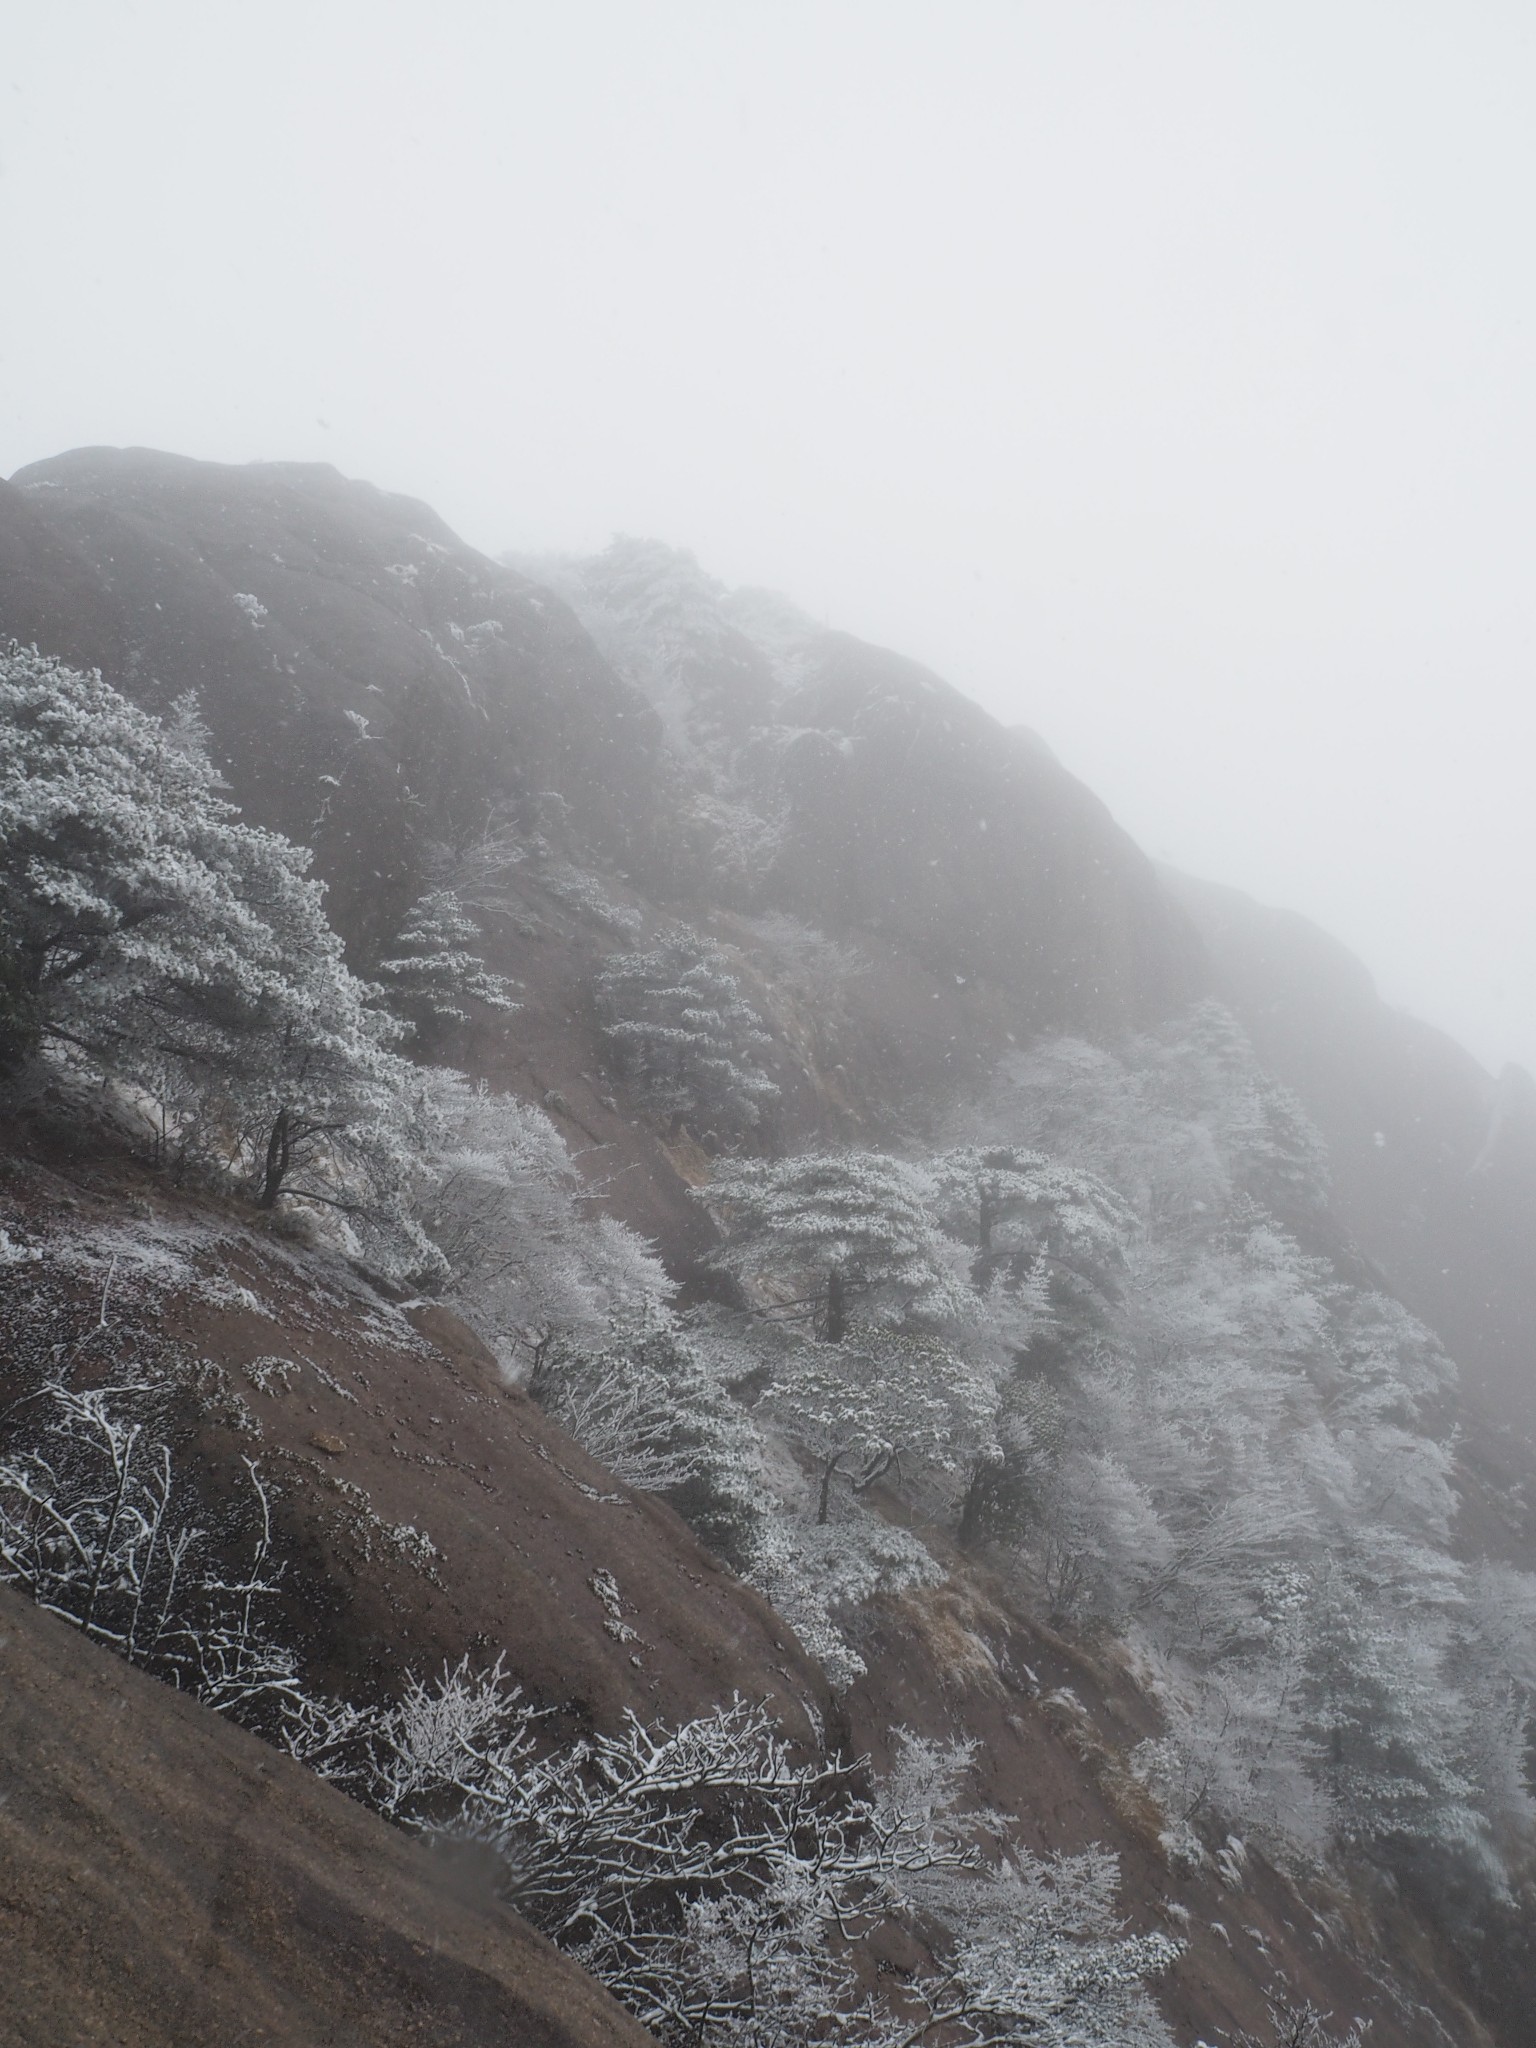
x=683, y=1033
x=726, y=1891
x=98, y=1529
x=1239, y=1458
x=820, y=1231
x=434, y=969
x=721, y=1885
x=150, y=935
x=880, y=1396
x=524, y=1258
x=1021, y=1211
x=651, y=1400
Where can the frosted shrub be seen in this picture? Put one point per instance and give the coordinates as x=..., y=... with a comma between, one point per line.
x=720, y=1884
x=820, y=1576
x=97, y=1529
x=650, y=1401
x=723, y=1890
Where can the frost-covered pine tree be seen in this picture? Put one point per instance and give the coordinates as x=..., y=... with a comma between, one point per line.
x=816, y=1234
x=155, y=939
x=1205, y=1069
x=882, y=1398
x=107, y=897
x=1242, y=1461
x=683, y=1033
x=844, y=1247
x=1021, y=1210
x=434, y=969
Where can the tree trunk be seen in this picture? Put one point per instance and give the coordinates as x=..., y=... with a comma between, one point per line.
x=981, y=1269
x=277, y=1162
x=836, y=1324
x=978, y=1499
x=829, y=1473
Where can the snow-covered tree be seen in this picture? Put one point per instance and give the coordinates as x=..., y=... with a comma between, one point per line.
x=727, y=1893
x=881, y=1398
x=1206, y=1070
x=1298, y=2023
x=650, y=1401
x=843, y=1248
x=1026, y=1214
x=683, y=1033
x=107, y=898
x=1239, y=1458
x=155, y=937
x=824, y=1232
x=821, y=1577
x=478, y=870
x=724, y=1885
x=1383, y=1719
x=433, y=968
x=526, y=1259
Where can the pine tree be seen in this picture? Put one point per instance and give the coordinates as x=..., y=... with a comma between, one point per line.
x=434, y=969
x=1018, y=1208
x=878, y=1398
x=836, y=1228
x=500, y=1198
x=683, y=1033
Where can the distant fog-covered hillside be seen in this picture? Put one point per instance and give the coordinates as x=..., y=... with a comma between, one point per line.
x=375, y=687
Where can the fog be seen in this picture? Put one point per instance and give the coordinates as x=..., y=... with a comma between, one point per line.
x=1159, y=373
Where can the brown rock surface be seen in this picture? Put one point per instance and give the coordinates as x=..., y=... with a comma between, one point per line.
x=168, y=1881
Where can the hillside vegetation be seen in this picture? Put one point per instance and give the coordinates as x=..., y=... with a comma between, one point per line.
x=653, y=1247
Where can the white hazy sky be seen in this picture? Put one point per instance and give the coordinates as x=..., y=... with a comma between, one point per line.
x=1161, y=373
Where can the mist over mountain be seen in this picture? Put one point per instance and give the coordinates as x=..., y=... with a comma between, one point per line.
x=868, y=1241
x=1434, y=1159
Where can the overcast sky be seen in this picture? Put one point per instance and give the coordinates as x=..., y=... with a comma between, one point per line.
x=1160, y=373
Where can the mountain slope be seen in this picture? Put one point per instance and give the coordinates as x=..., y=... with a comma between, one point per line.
x=168, y=1879
x=423, y=1509
x=857, y=788
x=913, y=900
x=372, y=682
